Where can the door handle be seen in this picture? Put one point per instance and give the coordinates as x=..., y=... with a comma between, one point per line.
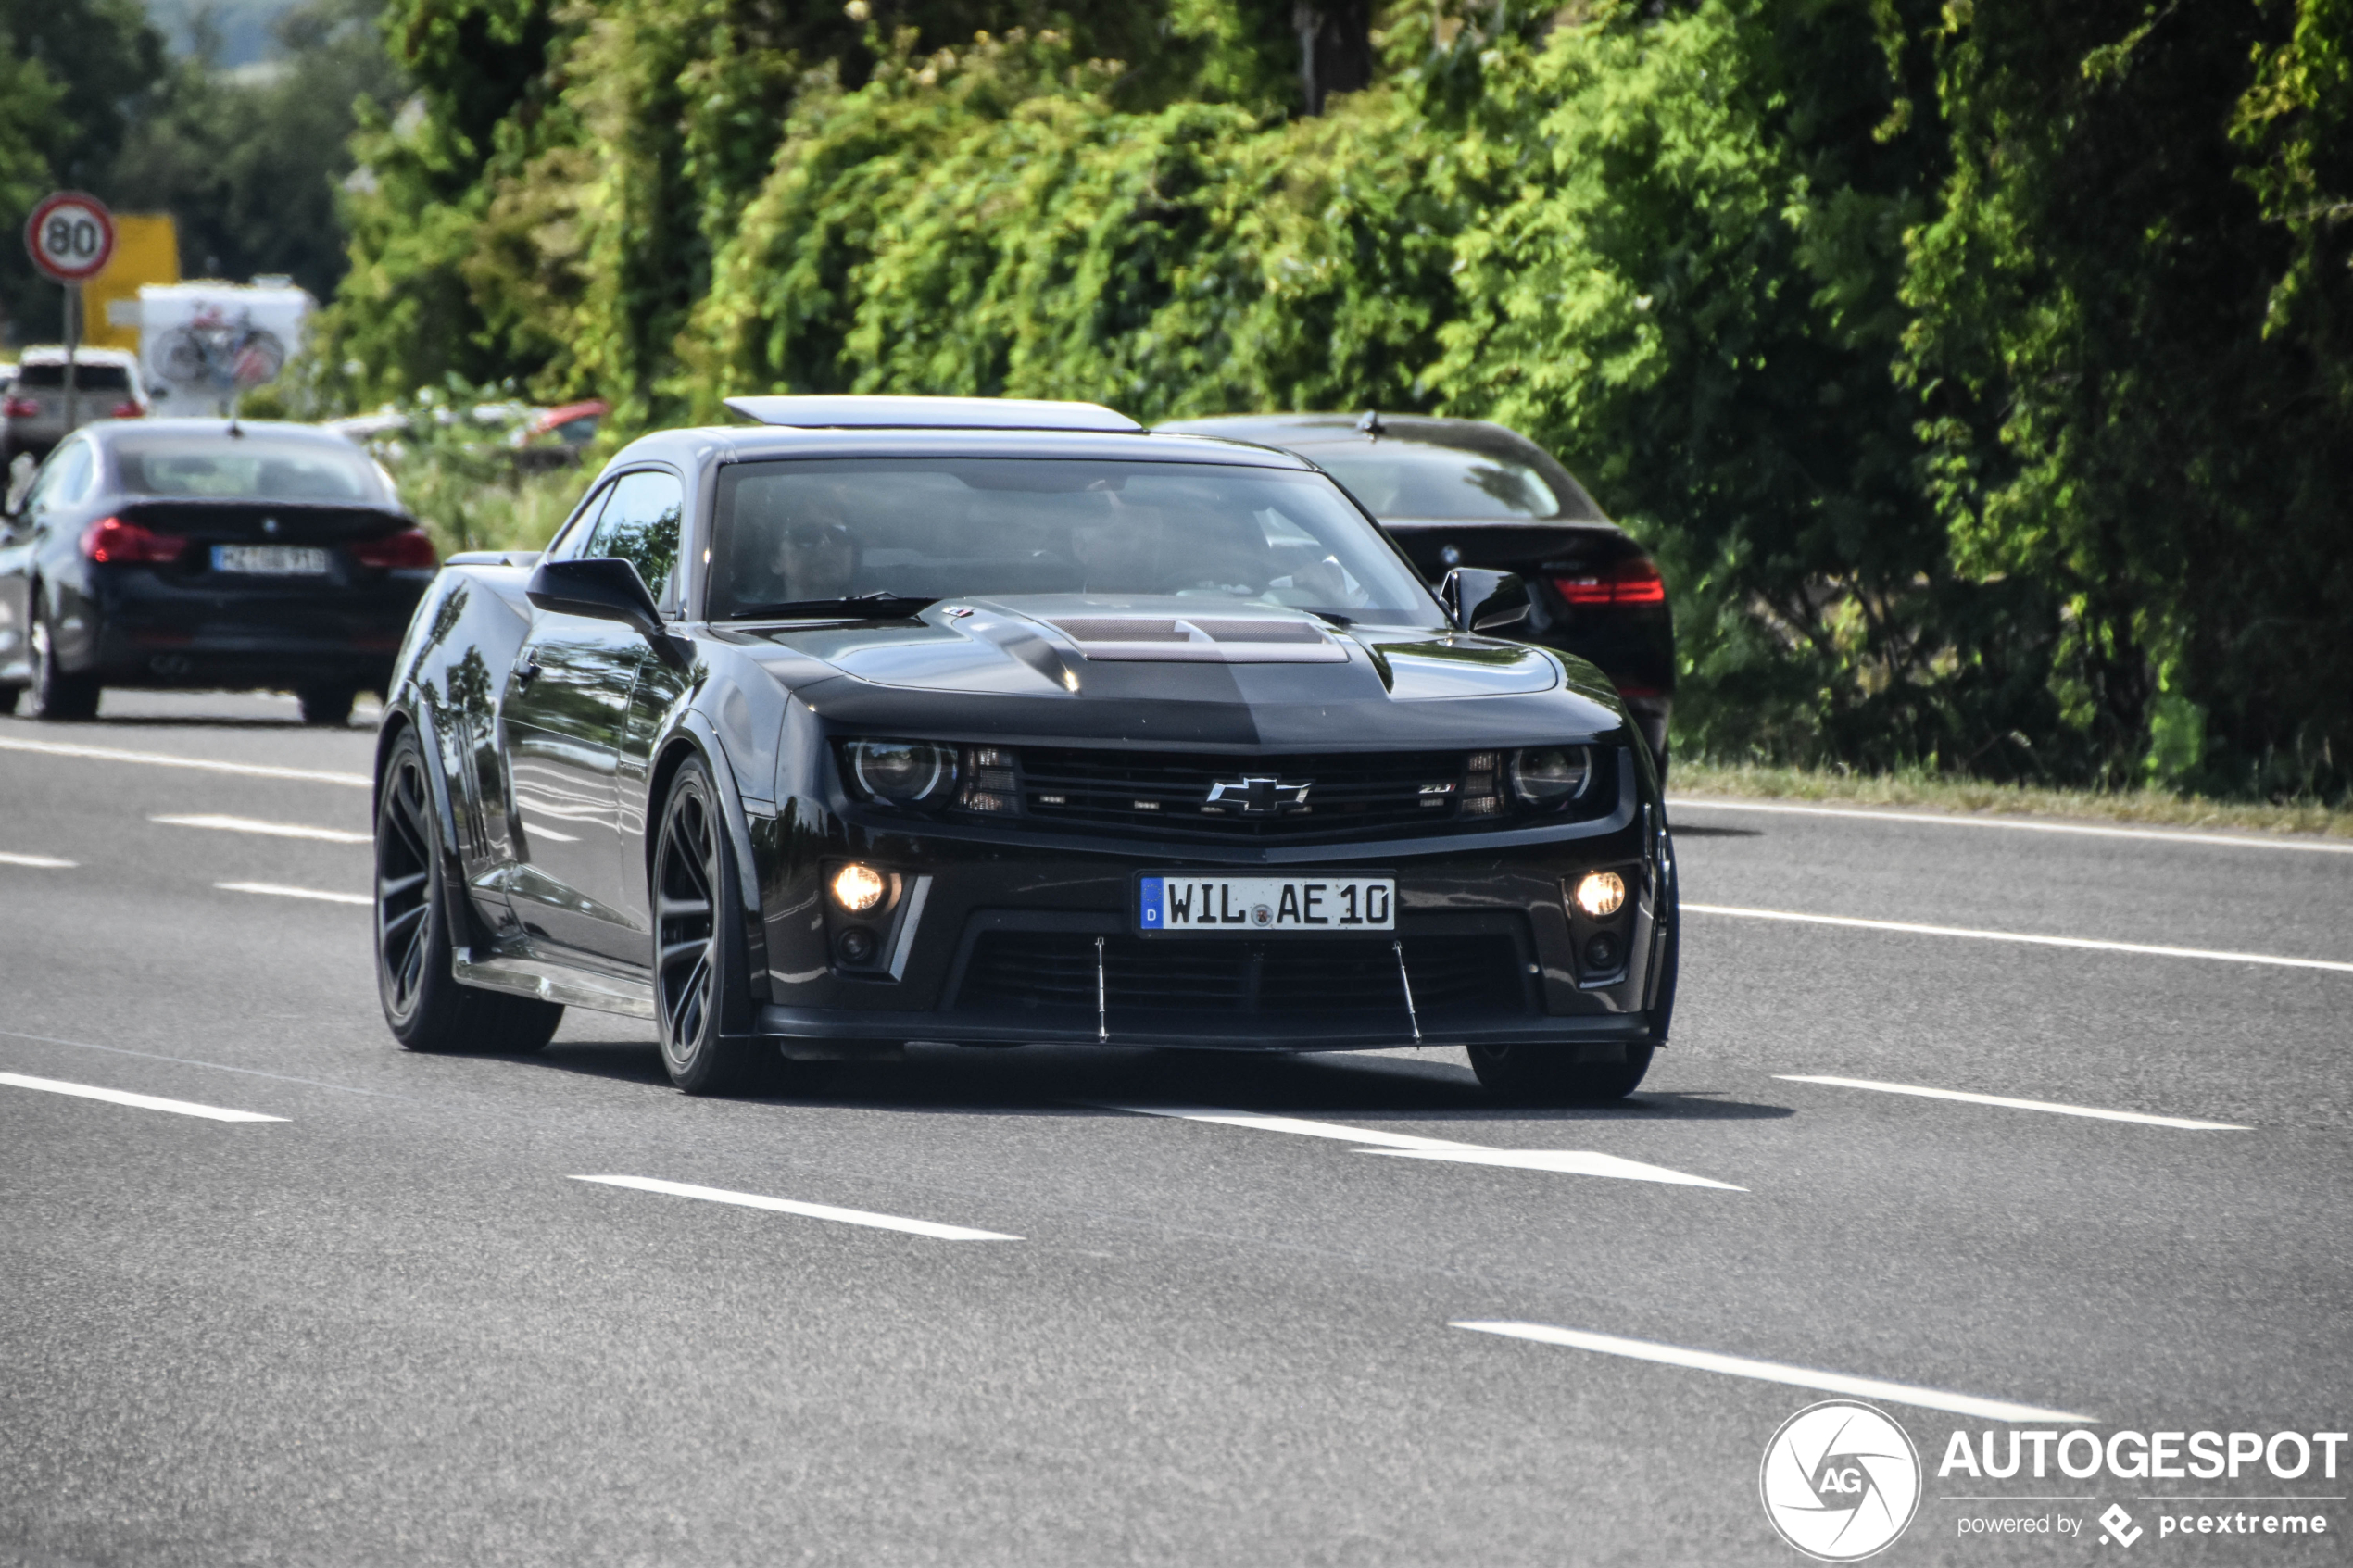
x=525, y=676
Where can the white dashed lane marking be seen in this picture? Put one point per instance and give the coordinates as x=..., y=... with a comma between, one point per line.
x=36, y=862
x=276, y=890
x=141, y=1102
x=2161, y=835
x=1775, y=1371
x=1914, y=929
x=1405, y=1145
x=807, y=1211
x=272, y=830
x=2007, y=1103
x=162, y=760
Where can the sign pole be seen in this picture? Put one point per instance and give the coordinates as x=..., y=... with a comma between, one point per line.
x=73, y=340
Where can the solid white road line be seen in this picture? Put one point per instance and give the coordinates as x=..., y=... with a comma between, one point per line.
x=2085, y=942
x=2015, y=824
x=38, y=862
x=276, y=891
x=2007, y=1103
x=275, y=830
x=144, y=1102
x=809, y=1210
x=162, y=759
x=1774, y=1372
x=1405, y=1145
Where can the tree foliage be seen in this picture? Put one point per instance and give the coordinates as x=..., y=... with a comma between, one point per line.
x=1979, y=372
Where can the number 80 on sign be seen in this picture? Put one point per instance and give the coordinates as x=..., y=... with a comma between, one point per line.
x=70, y=237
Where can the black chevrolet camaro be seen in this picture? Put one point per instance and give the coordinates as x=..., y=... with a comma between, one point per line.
x=889, y=720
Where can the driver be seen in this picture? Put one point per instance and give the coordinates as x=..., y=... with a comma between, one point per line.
x=814, y=557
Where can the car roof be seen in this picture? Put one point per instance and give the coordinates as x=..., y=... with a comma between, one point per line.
x=55, y=354
x=1311, y=434
x=1301, y=430
x=858, y=411
x=754, y=442
x=277, y=429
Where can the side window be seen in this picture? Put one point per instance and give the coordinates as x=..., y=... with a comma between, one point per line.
x=641, y=526
x=61, y=478
x=571, y=545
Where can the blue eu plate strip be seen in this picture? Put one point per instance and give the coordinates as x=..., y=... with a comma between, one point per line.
x=1151, y=902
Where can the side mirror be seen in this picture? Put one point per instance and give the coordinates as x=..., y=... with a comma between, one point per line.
x=1481, y=600
x=604, y=589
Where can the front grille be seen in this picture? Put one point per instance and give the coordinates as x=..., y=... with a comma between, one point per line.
x=1052, y=974
x=1168, y=794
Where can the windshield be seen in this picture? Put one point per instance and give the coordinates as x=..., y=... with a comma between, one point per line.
x=251, y=467
x=818, y=532
x=1397, y=478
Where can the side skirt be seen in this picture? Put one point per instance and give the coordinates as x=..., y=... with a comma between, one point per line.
x=555, y=983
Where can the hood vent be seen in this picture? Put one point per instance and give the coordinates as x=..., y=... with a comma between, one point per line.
x=1200, y=640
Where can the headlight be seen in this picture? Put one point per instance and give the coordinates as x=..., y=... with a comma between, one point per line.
x=903, y=772
x=1548, y=775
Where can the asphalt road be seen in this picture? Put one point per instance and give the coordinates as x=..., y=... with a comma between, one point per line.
x=393, y=1327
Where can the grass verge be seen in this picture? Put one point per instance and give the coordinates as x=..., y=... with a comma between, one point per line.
x=1964, y=796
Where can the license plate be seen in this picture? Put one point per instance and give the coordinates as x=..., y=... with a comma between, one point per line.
x=1188, y=903
x=271, y=560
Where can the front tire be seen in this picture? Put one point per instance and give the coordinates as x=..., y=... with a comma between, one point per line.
x=1551, y=1074
x=700, y=998
x=423, y=1003
x=56, y=694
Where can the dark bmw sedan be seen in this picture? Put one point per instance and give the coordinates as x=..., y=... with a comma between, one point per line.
x=199, y=553
x=1466, y=493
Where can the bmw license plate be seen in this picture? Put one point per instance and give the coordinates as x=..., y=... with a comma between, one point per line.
x=271, y=560
x=1189, y=903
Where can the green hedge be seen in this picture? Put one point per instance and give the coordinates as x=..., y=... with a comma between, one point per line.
x=1979, y=379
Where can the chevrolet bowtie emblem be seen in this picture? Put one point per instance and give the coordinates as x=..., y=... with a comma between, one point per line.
x=1259, y=796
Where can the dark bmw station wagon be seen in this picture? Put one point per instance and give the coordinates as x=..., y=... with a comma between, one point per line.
x=1466, y=493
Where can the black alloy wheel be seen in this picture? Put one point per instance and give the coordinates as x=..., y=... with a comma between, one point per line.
x=700, y=995
x=57, y=694
x=1551, y=1074
x=426, y=1007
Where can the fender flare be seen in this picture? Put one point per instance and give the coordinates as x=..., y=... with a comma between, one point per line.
x=418, y=715
x=693, y=732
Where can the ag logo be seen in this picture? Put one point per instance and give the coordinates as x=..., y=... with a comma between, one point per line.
x=1839, y=1481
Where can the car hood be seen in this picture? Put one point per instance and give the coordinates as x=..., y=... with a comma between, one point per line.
x=1202, y=669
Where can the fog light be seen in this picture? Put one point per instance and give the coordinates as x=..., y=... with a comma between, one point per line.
x=1602, y=953
x=856, y=945
x=858, y=889
x=1600, y=894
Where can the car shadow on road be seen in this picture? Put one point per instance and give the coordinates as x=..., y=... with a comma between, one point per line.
x=1063, y=1081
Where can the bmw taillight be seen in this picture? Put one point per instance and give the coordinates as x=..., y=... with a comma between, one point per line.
x=113, y=542
x=409, y=550
x=23, y=408
x=1635, y=581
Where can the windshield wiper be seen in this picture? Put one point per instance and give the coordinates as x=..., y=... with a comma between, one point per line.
x=881, y=602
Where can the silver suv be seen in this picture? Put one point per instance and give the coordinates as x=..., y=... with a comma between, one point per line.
x=106, y=386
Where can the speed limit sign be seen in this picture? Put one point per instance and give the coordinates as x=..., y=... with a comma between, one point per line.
x=71, y=237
